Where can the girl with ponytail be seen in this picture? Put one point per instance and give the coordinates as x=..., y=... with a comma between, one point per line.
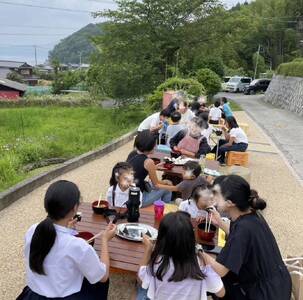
x=250, y=262
x=59, y=264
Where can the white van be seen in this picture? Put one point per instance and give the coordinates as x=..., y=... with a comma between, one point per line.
x=238, y=84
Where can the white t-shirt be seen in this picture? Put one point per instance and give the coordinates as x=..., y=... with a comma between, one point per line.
x=68, y=262
x=120, y=197
x=150, y=122
x=190, y=207
x=187, y=117
x=215, y=114
x=183, y=290
x=172, y=130
x=239, y=135
x=207, y=133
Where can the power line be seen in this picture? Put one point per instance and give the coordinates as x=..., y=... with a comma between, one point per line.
x=32, y=34
x=46, y=7
x=38, y=26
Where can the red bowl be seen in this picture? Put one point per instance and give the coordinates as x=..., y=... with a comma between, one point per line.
x=206, y=236
x=168, y=166
x=156, y=160
x=99, y=210
x=86, y=235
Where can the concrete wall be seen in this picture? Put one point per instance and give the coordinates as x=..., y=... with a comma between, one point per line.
x=287, y=93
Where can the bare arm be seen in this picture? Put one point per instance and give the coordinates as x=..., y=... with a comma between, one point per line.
x=230, y=141
x=217, y=267
x=108, y=234
x=150, y=166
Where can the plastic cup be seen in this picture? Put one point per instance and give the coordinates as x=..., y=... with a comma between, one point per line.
x=159, y=209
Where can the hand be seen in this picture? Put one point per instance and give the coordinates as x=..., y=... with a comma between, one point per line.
x=210, y=179
x=216, y=218
x=176, y=149
x=72, y=223
x=110, y=231
x=167, y=182
x=200, y=219
x=148, y=244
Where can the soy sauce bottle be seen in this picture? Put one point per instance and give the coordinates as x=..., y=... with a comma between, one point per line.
x=133, y=204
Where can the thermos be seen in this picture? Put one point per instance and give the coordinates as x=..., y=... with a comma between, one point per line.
x=133, y=204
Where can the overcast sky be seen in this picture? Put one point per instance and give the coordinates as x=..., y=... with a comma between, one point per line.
x=54, y=25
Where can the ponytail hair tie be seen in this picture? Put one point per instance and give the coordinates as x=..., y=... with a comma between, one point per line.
x=253, y=196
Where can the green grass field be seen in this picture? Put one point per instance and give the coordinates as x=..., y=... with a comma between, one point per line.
x=28, y=135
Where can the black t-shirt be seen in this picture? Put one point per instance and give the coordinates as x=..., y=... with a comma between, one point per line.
x=252, y=255
x=137, y=162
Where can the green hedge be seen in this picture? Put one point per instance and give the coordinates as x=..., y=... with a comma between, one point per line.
x=210, y=80
x=293, y=69
x=190, y=86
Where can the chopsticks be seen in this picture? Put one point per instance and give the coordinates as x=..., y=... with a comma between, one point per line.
x=208, y=222
x=95, y=236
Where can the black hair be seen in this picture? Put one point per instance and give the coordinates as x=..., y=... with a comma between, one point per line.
x=195, y=195
x=204, y=116
x=237, y=189
x=195, y=106
x=194, y=167
x=175, y=116
x=60, y=198
x=165, y=113
x=224, y=100
x=232, y=122
x=200, y=122
x=176, y=241
x=185, y=103
x=117, y=170
x=217, y=103
x=145, y=141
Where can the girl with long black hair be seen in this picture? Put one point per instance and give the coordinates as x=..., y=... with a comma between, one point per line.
x=172, y=270
x=250, y=263
x=60, y=265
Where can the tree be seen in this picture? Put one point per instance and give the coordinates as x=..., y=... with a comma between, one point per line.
x=210, y=80
x=14, y=76
x=151, y=36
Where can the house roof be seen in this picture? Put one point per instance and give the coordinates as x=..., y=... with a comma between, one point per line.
x=13, y=84
x=13, y=64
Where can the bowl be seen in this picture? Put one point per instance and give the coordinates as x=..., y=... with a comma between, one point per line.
x=99, y=210
x=206, y=236
x=168, y=166
x=86, y=235
x=219, y=132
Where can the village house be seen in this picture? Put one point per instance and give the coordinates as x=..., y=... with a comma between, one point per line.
x=22, y=68
x=11, y=90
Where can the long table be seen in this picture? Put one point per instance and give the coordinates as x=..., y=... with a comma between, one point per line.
x=125, y=256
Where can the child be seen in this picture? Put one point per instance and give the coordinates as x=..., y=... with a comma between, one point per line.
x=122, y=178
x=174, y=127
x=201, y=198
x=227, y=112
x=171, y=269
x=60, y=265
x=215, y=114
x=190, y=142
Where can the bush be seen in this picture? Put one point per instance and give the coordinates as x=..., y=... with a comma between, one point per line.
x=294, y=68
x=212, y=63
x=210, y=80
x=190, y=86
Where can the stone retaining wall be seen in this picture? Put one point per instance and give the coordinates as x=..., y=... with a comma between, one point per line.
x=287, y=93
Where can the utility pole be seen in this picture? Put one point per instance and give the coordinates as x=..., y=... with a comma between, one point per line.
x=80, y=59
x=257, y=61
x=35, y=47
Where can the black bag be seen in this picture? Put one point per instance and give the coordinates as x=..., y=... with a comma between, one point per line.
x=147, y=186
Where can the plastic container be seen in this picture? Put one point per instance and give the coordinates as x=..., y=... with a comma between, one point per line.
x=159, y=209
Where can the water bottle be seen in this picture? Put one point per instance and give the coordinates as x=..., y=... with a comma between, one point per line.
x=133, y=204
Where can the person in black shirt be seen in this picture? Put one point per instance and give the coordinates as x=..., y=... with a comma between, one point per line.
x=250, y=262
x=144, y=166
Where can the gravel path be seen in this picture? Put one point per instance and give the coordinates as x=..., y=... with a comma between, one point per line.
x=269, y=175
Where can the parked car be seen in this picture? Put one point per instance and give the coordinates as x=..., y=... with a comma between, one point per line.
x=224, y=83
x=238, y=84
x=257, y=85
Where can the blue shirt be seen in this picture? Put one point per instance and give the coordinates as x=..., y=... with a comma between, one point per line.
x=227, y=110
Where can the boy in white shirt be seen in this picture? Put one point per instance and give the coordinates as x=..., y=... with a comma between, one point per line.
x=215, y=114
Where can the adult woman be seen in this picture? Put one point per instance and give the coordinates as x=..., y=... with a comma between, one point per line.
x=145, y=143
x=59, y=264
x=235, y=139
x=250, y=262
x=172, y=269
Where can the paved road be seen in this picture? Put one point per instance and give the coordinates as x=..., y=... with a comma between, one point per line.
x=283, y=127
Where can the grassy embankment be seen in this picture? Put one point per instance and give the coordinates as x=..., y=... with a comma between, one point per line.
x=32, y=134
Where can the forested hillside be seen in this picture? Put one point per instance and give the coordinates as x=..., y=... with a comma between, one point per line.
x=79, y=43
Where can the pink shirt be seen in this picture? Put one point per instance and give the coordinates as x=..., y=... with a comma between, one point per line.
x=184, y=290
